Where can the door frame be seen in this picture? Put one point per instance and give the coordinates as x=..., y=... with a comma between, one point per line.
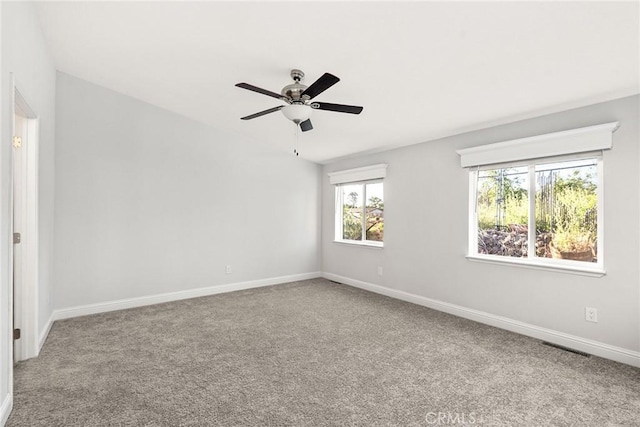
x=29, y=342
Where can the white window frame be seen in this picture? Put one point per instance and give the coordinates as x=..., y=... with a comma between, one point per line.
x=359, y=176
x=531, y=260
x=339, y=211
x=568, y=145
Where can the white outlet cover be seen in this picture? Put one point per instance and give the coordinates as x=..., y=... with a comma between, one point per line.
x=591, y=314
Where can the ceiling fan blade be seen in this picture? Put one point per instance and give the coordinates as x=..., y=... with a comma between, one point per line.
x=323, y=83
x=352, y=109
x=306, y=125
x=262, y=113
x=259, y=90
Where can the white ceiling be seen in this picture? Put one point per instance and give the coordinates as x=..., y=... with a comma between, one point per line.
x=422, y=70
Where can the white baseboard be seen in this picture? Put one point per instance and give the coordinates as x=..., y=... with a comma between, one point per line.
x=104, y=307
x=596, y=348
x=45, y=333
x=5, y=409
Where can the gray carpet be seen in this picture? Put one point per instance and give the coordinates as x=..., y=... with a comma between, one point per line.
x=311, y=353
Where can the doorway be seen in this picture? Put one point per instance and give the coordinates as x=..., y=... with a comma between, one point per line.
x=25, y=230
x=19, y=142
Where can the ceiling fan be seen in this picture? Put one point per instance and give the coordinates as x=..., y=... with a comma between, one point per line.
x=298, y=98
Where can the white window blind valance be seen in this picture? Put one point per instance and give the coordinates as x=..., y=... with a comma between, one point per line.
x=591, y=138
x=359, y=174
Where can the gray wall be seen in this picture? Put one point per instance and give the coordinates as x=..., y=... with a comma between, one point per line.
x=149, y=202
x=426, y=207
x=24, y=53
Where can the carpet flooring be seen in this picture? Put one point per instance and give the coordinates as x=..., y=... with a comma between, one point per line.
x=311, y=353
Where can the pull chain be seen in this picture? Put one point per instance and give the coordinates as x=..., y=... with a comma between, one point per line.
x=297, y=136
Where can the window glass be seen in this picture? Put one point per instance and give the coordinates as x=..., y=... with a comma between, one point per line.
x=352, y=196
x=374, y=223
x=503, y=212
x=564, y=205
x=567, y=210
x=360, y=214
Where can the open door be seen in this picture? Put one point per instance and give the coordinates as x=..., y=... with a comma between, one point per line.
x=19, y=141
x=25, y=230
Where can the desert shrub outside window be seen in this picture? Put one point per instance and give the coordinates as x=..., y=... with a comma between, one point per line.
x=546, y=210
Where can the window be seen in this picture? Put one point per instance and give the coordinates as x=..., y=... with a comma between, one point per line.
x=360, y=205
x=543, y=212
x=540, y=210
x=361, y=209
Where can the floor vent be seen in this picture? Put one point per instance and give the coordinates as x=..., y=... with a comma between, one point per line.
x=570, y=350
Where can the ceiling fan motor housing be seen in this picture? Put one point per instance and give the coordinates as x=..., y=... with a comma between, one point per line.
x=294, y=91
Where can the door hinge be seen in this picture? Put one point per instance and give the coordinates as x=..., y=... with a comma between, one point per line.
x=16, y=334
x=16, y=238
x=17, y=142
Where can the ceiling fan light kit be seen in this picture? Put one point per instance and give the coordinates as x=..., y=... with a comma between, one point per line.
x=296, y=112
x=298, y=97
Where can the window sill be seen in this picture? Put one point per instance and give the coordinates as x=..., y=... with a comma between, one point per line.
x=366, y=244
x=538, y=265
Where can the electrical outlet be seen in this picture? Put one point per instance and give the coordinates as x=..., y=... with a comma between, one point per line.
x=591, y=314
x=227, y=269
x=379, y=270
